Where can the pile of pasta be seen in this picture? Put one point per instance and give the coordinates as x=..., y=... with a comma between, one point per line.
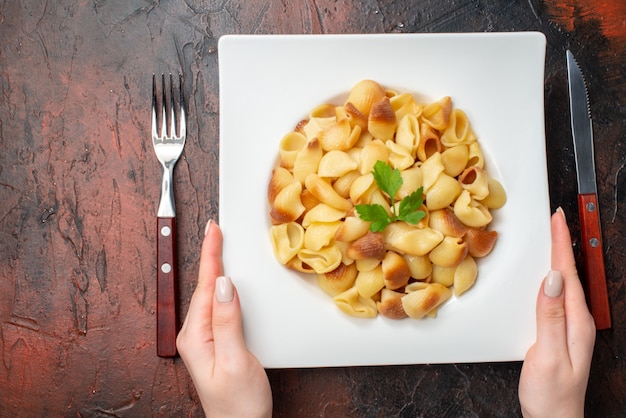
x=325, y=169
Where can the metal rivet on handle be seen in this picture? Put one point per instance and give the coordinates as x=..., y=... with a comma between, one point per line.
x=166, y=231
x=594, y=242
x=591, y=207
x=166, y=268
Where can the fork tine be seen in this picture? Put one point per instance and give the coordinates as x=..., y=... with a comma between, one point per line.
x=154, y=100
x=164, y=126
x=173, y=126
x=183, y=121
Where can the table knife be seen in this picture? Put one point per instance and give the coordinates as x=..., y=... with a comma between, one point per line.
x=588, y=210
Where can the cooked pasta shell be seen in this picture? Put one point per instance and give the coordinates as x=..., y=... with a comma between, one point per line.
x=382, y=122
x=476, y=181
x=290, y=145
x=390, y=305
x=300, y=126
x=396, y=272
x=458, y=131
x=321, y=261
x=367, y=264
x=412, y=179
x=405, y=104
x=369, y=282
x=343, y=247
x=415, y=286
x=287, y=206
x=480, y=242
x=376, y=196
x=465, y=275
x=475, y=155
x=335, y=164
x=455, y=160
x=353, y=304
x=419, y=303
x=322, y=213
x=355, y=152
x=449, y=253
x=361, y=188
x=408, y=134
x=433, y=313
x=351, y=229
x=445, y=221
x=441, y=194
x=320, y=234
x=337, y=281
x=314, y=126
x=471, y=212
x=405, y=239
x=364, y=94
x=281, y=178
x=420, y=266
x=353, y=115
x=307, y=161
x=437, y=114
x=431, y=170
x=308, y=200
x=365, y=139
x=297, y=264
x=429, y=142
x=353, y=138
x=324, y=191
x=496, y=197
x=370, y=245
x=343, y=184
x=372, y=152
x=287, y=240
x=390, y=92
x=443, y=275
x=399, y=156
x=324, y=111
x=339, y=136
x=424, y=222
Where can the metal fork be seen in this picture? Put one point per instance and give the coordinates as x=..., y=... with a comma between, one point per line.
x=168, y=143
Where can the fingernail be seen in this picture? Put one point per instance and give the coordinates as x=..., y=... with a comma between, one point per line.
x=208, y=226
x=553, y=285
x=224, y=289
x=560, y=210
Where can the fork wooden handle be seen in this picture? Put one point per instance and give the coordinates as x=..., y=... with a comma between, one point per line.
x=167, y=323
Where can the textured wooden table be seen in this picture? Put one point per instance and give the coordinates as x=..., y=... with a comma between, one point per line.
x=79, y=185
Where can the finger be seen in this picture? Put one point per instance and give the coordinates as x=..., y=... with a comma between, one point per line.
x=580, y=327
x=227, y=326
x=211, y=255
x=563, y=260
x=201, y=304
x=563, y=255
x=551, y=325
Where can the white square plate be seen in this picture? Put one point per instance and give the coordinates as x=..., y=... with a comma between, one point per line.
x=270, y=82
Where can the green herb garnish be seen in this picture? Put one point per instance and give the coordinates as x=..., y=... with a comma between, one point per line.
x=389, y=181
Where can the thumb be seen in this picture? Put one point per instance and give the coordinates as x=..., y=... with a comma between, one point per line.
x=227, y=326
x=551, y=329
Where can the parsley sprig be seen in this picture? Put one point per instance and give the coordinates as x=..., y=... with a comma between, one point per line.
x=389, y=181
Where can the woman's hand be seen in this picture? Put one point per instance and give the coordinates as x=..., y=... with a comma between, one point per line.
x=556, y=369
x=229, y=380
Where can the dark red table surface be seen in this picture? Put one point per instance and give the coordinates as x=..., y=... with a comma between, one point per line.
x=79, y=185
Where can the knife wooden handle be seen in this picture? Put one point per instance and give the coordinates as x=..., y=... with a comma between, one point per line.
x=596, y=288
x=167, y=323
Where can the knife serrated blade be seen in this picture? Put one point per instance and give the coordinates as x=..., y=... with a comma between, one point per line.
x=582, y=131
